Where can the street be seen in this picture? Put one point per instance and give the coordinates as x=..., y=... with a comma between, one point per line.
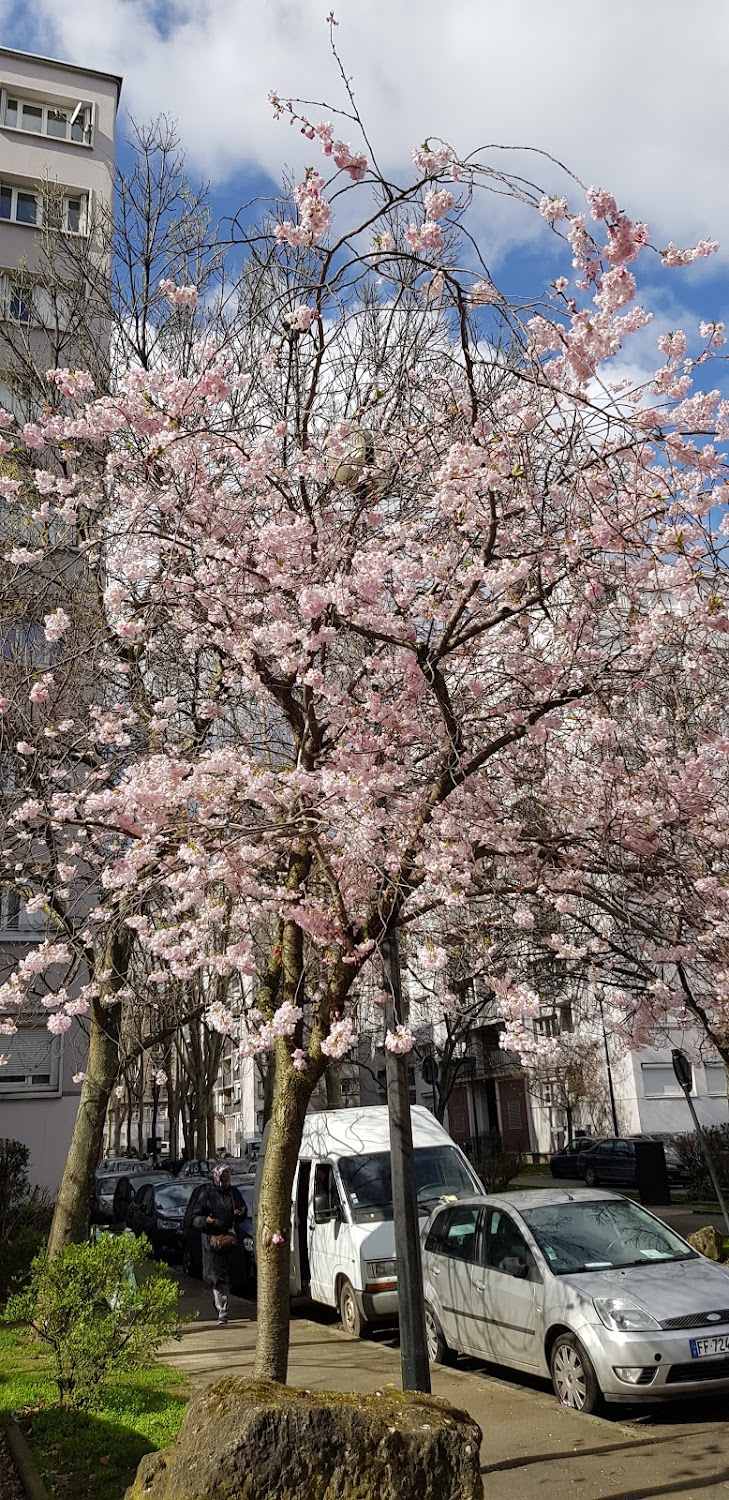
x=531, y=1447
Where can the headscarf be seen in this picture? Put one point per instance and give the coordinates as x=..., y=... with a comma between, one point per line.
x=218, y=1174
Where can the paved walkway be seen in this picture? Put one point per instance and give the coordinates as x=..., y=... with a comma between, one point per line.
x=532, y=1449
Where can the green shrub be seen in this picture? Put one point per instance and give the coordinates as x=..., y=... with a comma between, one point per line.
x=25, y=1216
x=495, y=1166
x=93, y=1316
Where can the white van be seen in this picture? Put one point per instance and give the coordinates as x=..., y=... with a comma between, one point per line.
x=342, y=1232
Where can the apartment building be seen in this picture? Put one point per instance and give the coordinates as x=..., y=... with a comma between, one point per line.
x=57, y=126
x=57, y=123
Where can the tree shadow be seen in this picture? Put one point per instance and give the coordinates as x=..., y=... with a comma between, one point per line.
x=90, y=1455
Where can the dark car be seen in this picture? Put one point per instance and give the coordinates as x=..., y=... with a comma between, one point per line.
x=128, y=1187
x=244, y=1263
x=565, y=1163
x=611, y=1162
x=158, y=1210
x=200, y=1167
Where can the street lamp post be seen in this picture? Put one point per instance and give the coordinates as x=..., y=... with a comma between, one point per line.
x=613, y=1107
x=411, y=1305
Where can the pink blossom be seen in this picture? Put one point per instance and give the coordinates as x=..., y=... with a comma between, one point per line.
x=425, y=236
x=315, y=214
x=178, y=296
x=56, y=624
x=23, y=748
x=58, y=1023
x=438, y=203
x=553, y=208
x=342, y=1036
x=72, y=383
x=435, y=161
x=301, y=318
x=298, y=1058
x=80, y=1077
x=400, y=1041
x=277, y=1238
x=673, y=344
x=483, y=293
x=714, y=333
x=672, y=256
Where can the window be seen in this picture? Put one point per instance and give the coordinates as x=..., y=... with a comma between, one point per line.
x=62, y=123
x=57, y=210
x=716, y=1079
x=16, y=920
x=660, y=1081
x=33, y=1065
x=326, y=1195
x=455, y=1233
x=546, y=1026
x=506, y=1248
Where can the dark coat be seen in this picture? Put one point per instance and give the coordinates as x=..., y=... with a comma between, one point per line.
x=218, y=1204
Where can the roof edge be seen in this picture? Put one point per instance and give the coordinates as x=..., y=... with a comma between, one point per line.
x=68, y=67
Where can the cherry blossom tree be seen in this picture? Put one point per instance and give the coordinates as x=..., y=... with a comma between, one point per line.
x=373, y=596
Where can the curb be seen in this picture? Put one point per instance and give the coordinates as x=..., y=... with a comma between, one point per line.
x=25, y=1463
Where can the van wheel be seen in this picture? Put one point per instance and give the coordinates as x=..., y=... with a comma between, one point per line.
x=353, y=1323
x=439, y=1352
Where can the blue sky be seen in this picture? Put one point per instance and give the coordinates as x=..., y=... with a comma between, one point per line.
x=631, y=95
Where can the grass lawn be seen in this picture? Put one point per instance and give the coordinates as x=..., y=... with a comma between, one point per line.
x=88, y=1455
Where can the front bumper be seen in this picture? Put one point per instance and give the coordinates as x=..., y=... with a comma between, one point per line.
x=378, y=1307
x=669, y=1370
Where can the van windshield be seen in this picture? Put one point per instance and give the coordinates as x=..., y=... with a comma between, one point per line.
x=440, y=1172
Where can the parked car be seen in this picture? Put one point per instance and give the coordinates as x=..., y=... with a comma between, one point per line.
x=122, y=1165
x=199, y=1167
x=587, y=1288
x=102, y=1203
x=244, y=1260
x=611, y=1162
x=128, y=1187
x=158, y=1210
x=565, y=1163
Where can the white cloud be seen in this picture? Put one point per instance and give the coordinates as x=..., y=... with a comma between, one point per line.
x=631, y=94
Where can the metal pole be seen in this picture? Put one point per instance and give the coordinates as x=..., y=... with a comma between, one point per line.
x=613, y=1107
x=411, y=1305
x=707, y=1157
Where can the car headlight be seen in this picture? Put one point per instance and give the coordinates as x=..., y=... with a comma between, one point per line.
x=380, y=1270
x=623, y=1315
x=169, y=1224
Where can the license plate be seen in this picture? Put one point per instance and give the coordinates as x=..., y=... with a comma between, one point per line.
x=717, y=1344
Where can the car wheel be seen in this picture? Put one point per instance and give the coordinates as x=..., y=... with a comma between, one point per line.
x=353, y=1322
x=590, y=1176
x=439, y=1352
x=573, y=1377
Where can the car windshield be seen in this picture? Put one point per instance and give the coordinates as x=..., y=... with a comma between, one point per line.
x=174, y=1198
x=600, y=1235
x=440, y=1172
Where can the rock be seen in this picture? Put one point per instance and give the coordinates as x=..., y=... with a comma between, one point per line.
x=254, y=1440
x=708, y=1242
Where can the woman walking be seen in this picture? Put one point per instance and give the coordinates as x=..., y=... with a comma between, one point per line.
x=218, y=1209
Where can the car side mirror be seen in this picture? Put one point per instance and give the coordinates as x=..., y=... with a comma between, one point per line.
x=324, y=1209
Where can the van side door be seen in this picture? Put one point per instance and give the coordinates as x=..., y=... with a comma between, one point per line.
x=329, y=1240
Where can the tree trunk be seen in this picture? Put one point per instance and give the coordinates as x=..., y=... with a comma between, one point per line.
x=333, y=1084
x=291, y=1096
x=212, y=1146
x=117, y=1132
x=71, y=1217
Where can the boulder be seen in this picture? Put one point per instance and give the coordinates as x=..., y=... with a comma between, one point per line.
x=254, y=1440
x=708, y=1242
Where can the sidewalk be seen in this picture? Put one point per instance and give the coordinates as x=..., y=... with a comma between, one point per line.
x=532, y=1450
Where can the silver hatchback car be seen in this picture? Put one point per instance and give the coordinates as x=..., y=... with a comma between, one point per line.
x=582, y=1286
